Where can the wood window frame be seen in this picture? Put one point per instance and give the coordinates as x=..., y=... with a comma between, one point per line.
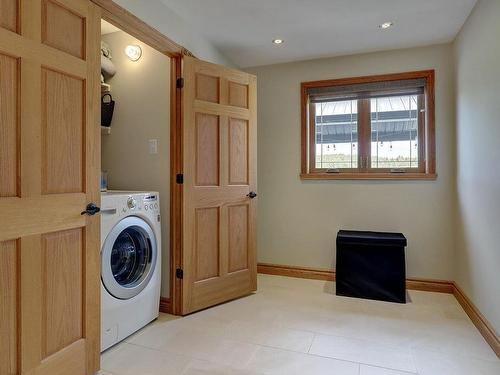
x=426, y=149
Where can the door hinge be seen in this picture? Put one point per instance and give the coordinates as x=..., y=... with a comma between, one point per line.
x=180, y=83
x=179, y=178
x=179, y=273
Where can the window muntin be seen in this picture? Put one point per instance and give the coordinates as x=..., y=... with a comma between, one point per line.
x=369, y=126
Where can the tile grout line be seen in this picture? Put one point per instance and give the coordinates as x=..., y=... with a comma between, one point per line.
x=244, y=342
x=411, y=352
x=276, y=348
x=311, y=344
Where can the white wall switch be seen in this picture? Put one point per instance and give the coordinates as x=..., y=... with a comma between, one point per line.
x=153, y=146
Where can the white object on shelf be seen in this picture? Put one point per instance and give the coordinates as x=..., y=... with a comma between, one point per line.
x=105, y=87
x=105, y=130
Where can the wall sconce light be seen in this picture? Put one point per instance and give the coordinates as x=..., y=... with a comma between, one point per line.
x=133, y=52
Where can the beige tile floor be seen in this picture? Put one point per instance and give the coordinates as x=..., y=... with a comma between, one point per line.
x=294, y=326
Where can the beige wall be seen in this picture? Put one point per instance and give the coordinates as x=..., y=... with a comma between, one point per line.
x=142, y=93
x=298, y=220
x=477, y=51
x=161, y=17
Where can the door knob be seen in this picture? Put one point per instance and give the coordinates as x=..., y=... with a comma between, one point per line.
x=252, y=195
x=91, y=209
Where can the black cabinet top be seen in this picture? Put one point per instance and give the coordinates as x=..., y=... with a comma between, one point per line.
x=371, y=238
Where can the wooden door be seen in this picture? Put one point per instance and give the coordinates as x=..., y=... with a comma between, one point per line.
x=219, y=171
x=49, y=171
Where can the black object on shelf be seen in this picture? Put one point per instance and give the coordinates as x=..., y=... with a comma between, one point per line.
x=107, y=109
x=371, y=265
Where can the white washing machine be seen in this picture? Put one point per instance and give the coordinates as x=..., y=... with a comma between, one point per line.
x=131, y=263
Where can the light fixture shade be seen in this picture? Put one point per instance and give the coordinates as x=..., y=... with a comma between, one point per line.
x=133, y=52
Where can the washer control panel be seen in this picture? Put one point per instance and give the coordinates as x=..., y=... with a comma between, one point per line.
x=150, y=203
x=117, y=204
x=131, y=203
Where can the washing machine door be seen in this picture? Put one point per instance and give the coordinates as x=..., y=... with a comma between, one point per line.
x=128, y=257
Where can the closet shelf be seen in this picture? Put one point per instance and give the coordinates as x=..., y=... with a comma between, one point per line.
x=105, y=130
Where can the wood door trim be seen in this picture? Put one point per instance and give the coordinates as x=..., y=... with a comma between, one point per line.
x=92, y=283
x=165, y=305
x=422, y=284
x=176, y=189
x=131, y=24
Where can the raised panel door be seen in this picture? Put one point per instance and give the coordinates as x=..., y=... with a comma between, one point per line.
x=49, y=166
x=219, y=156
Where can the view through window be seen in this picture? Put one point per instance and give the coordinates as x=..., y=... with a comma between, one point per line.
x=394, y=132
x=337, y=134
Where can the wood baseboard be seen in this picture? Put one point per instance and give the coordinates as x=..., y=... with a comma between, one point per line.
x=484, y=327
x=427, y=285
x=299, y=272
x=430, y=285
x=165, y=305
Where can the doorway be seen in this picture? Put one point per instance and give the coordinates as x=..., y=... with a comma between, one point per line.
x=135, y=147
x=115, y=19
x=213, y=152
x=135, y=183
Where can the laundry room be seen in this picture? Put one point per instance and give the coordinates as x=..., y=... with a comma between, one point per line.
x=234, y=187
x=135, y=157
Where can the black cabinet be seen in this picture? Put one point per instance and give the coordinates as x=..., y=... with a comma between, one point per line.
x=371, y=265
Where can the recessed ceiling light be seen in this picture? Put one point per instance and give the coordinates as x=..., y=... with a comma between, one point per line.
x=278, y=41
x=386, y=25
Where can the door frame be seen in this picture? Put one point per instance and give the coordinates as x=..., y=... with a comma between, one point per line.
x=129, y=23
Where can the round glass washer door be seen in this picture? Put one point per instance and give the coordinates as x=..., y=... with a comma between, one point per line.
x=128, y=257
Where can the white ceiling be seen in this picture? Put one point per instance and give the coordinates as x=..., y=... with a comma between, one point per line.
x=243, y=30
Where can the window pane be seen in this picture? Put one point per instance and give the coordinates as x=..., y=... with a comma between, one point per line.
x=337, y=134
x=394, y=130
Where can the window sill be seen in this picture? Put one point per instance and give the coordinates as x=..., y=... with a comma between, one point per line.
x=368, y=176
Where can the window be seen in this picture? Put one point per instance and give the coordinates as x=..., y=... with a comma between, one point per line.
x=378, y=127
